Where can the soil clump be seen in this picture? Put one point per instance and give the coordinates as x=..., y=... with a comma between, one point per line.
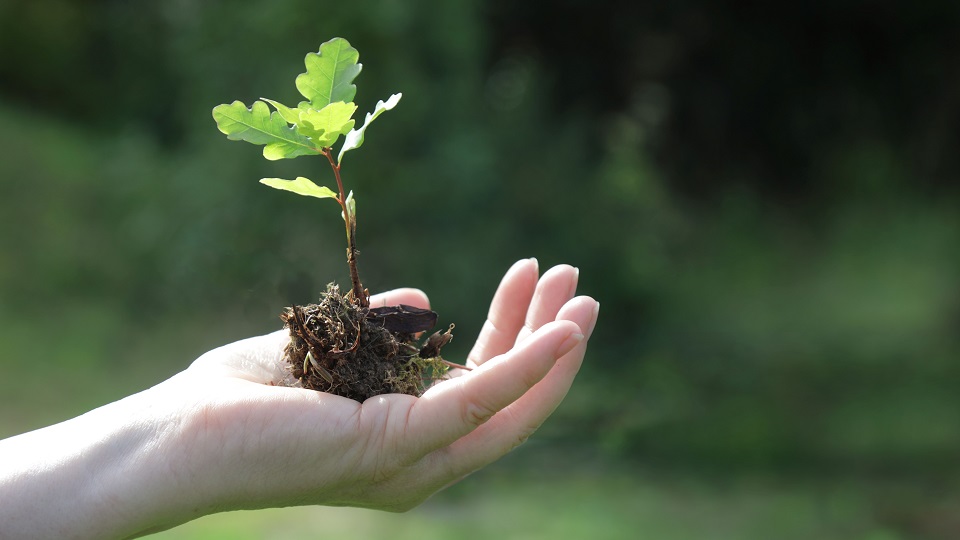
x=339, y=347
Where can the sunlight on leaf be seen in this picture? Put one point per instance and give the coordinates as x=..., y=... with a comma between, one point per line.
x=330, y=73
x=351, y=207
x=258, y=125
x=325, y=126
x=300, y=186
x=355, y=138
x=292, y=116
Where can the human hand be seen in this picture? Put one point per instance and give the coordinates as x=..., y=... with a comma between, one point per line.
x=221, y=436
x=275, y=446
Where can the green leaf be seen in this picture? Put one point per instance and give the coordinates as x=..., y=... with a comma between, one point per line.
x=355, y=138
x=330, y=73
x=352, y=206
x=292, y=116
x=325, y=126
x=258, y=125
x=351, y=216
x=300, y=186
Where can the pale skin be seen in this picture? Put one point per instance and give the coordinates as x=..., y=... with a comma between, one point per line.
x=219, y=436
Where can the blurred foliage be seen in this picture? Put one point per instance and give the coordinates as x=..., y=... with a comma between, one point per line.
x=516, y=503
x=764, y=200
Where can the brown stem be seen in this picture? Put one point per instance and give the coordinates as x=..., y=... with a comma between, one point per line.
x=359, y=293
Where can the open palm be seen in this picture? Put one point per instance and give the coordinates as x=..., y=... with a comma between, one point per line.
x=262, y=445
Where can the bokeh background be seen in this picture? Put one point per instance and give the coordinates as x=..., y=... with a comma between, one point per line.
x=764, y=199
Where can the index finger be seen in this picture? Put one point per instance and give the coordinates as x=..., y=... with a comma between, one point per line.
x=507, y=310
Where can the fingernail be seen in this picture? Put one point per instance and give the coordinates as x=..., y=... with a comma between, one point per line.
x=536, y=263
x=596, y=314
x=569, y=343
x=576, y=281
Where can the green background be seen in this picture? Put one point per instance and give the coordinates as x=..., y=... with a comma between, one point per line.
x=765, y=201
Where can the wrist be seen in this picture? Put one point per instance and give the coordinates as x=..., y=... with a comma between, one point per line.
x=102, y=474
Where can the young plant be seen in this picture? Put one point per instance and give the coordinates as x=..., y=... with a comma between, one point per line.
x=312, y=128
x=340, y=345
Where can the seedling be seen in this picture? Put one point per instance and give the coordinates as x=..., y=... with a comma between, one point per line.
x=337, y=344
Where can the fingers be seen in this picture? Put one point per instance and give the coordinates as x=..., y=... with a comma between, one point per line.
x=456, y=407
x=507, y=312
x=411, y=297
x=520, y=419
x=557, y=285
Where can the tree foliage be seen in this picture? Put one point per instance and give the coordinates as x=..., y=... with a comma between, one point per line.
x=765, y=205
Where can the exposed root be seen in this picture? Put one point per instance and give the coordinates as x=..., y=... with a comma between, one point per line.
x=338, y=347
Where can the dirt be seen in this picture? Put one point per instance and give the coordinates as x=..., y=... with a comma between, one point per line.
x=359, y=352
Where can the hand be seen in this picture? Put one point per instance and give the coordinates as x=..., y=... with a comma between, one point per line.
x=220, y=437
x=393, y=451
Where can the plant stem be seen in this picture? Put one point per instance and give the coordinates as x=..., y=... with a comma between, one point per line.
x=351, y=224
